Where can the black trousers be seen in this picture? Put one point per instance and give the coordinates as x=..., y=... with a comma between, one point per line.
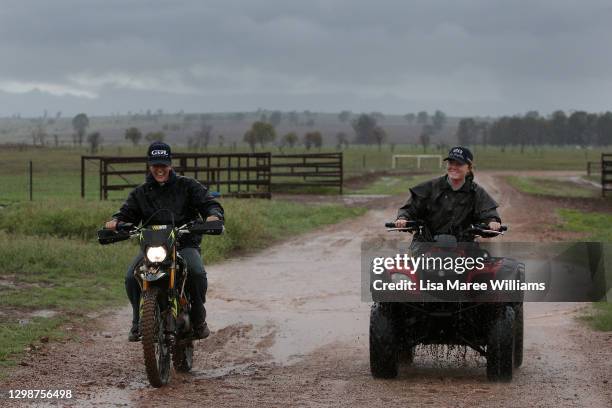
x=197, y=283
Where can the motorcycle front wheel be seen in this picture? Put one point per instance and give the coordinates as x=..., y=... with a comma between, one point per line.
x=154, y=346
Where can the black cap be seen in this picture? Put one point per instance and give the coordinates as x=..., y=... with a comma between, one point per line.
x=460, y=154
x=159, y=153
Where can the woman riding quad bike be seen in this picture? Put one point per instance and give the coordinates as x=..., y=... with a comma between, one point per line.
x=443, y=212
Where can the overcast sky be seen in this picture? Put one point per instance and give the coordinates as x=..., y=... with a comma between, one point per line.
x=477, y=57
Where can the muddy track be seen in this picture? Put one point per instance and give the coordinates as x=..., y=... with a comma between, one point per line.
x=289, y=329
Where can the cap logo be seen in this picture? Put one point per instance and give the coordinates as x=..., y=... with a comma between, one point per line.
x=457, y=151
x=159, y=153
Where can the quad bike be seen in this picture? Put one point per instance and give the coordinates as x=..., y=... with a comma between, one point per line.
x=164, y=303
x=492, y=328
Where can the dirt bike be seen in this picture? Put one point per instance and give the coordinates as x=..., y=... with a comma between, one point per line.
x=494, y=329
x=164, y=303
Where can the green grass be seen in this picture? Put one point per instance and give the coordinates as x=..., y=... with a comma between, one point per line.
x=599, y=228
x=597, y=225
x=52, y=260
x=599, y=316
x=552, y=187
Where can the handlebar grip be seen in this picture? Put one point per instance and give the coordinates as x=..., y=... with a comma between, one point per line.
x=389, y=225
x=504, y=228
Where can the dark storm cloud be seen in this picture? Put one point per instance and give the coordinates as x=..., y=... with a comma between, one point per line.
x=466, y=57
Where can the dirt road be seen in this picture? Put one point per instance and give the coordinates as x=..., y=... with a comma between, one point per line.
x=289, y=329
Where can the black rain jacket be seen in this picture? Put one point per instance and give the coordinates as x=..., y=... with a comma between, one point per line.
x=446, y=211
x=185, y=197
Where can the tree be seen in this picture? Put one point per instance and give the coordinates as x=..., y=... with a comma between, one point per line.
x=249, y=137
x=364, y=127
x=379, y=135
x=290, y=139
x=438, y=121
x=134, y=135
x=344, y=116
x=425, y=137
x=342, y=140
x=262, y=132
x=80, y=123
x=313, y=139
x=604, y=129
x=422, y=118
x=467, y=132
x=158, y=136
x=95, y=140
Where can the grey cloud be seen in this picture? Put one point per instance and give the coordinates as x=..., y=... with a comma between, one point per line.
x=466, y=57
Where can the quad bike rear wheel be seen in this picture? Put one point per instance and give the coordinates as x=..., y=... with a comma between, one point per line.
x=155, y=349
x=518, y=336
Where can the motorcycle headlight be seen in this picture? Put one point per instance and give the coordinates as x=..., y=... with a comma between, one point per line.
x=398, y=277
x=156, y=254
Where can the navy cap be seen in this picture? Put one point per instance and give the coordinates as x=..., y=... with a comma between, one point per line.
x=159, y=153
x=460, y=154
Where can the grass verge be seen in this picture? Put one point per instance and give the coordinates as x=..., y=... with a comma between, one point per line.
x=552, y=187
x=52, y=262
x=599, y=226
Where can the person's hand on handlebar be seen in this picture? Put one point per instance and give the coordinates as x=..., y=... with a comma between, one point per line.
x=212, y=218
x=494, y=225
x=400, y=223
x=111, y=225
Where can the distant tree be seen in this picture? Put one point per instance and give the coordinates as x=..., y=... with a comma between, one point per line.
x=604, y=129
x=379, y=136
x=342, y=141
x=275, y=118
x=438, y=121
x=364, y=127
x=80, y=123
x=467, y=132
x=425, y=137
x=577, y=128
x=134, y=135
x=410, y=118
x=158, y=136
x=95, y=140
x=313, y=139
x=263, y=133
x=422, y=118
x=250, y=138
x=221, y=140
x=289, y=139
x=558, y=128
x=344, y=116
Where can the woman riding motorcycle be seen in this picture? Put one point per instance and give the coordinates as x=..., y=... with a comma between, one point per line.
x=451, y=203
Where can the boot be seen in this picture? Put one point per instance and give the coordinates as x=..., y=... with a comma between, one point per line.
x=134, y=333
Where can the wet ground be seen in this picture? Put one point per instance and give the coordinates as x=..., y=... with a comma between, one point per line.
x=289, y=329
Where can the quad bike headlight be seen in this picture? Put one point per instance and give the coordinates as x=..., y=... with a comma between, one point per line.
x=156, y=254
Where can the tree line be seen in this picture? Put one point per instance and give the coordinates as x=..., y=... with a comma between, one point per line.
x=580, y=128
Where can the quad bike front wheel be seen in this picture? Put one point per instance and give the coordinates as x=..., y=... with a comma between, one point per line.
x=155, y=349
x=501, y=346
x=384, y=352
